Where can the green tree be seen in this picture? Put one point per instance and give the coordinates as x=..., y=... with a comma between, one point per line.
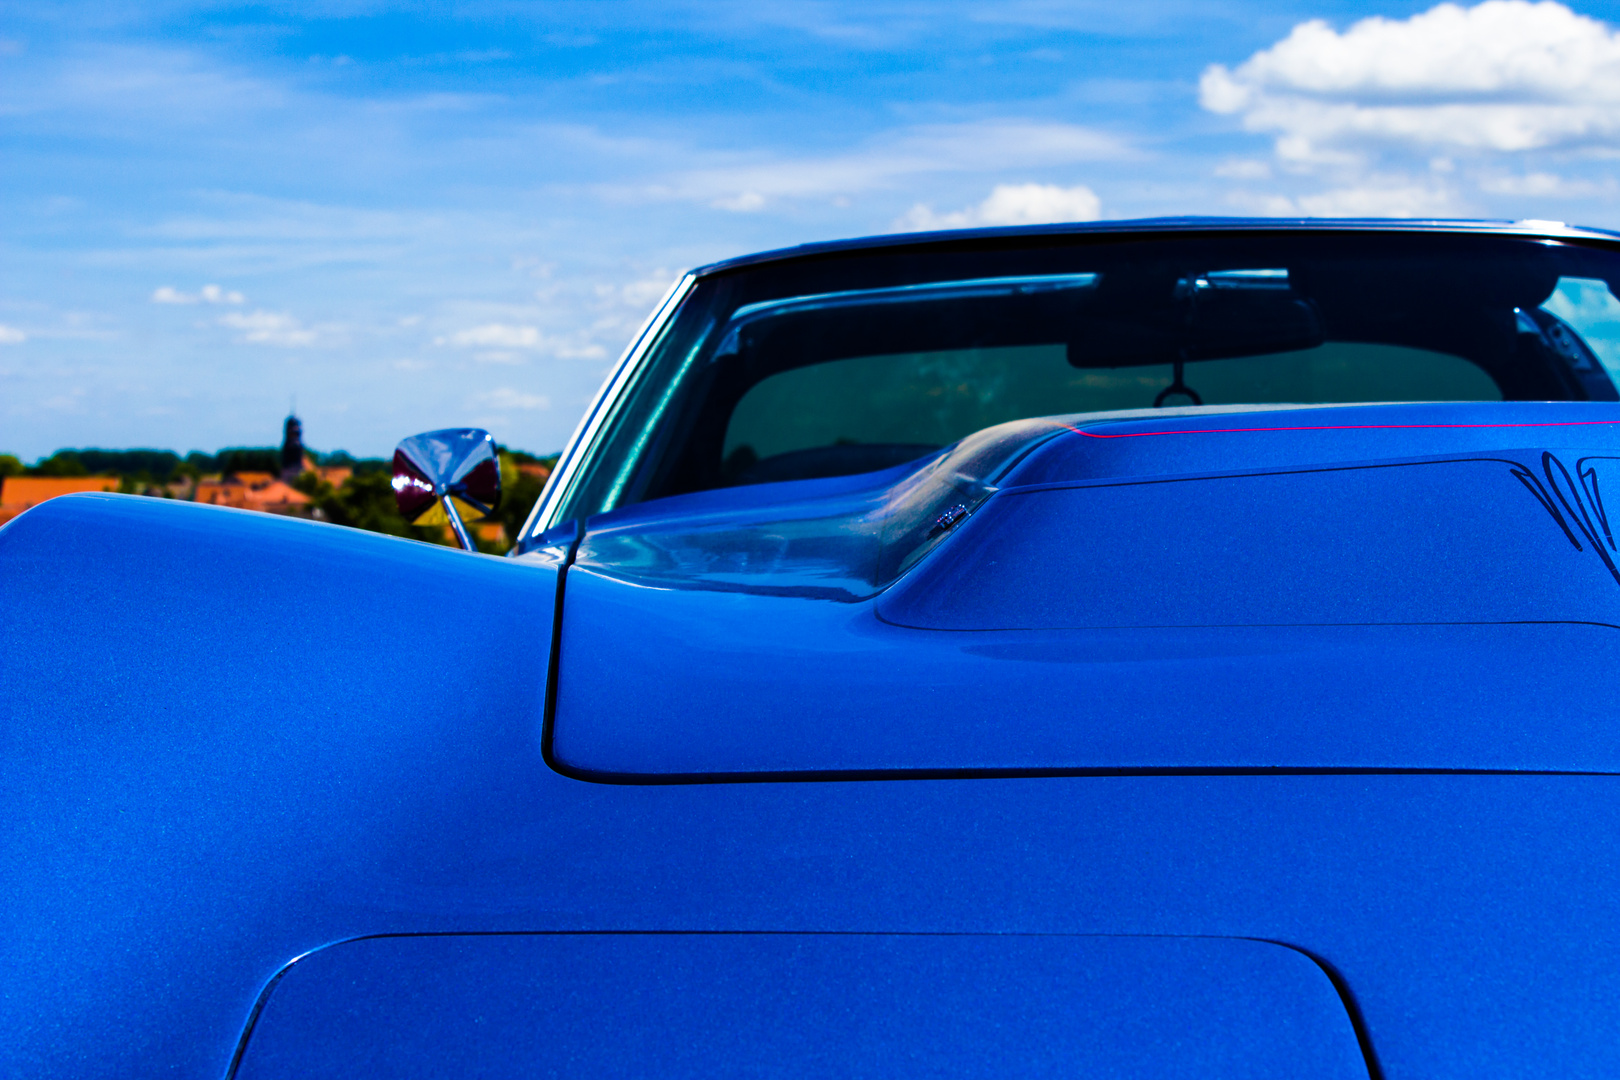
x=249, y=459
x=136, y=483
x=374, y=465
x=157, y=465
x=522, y=491
x=10, y=465
x=365, y=501
x=523, y=457
x=61, y=463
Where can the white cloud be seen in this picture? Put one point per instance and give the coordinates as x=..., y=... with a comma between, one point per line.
x=1243, y=169
x=269, y=328
x=213, y=294
x=1504, y=76
x=10, y=335
x=640, y=294
x=897, y=158
x=506, y=398
x=1263, y=205
x=505, y=336
x=496, y=334
x=1544, y=184
x=534, y=267
x=745, y=202
x=208, y=294
x=72, y=401
x=1378, y=195
x=1011, y=204
x=1379, y=200
x=118, y=88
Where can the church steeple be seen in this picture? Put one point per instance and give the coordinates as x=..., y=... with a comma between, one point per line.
x=292, y=450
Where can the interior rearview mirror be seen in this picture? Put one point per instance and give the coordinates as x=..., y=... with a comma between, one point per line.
x=1245, y=313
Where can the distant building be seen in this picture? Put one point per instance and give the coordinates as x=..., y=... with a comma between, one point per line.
x=293, y=462
x=263, y=491
x=251, y=491
x=18, y=493
x=537, y=469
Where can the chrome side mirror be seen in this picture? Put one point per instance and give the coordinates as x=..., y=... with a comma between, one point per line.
x=453, y=472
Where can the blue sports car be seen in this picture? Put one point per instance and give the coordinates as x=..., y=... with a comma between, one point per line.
x=1157, y=649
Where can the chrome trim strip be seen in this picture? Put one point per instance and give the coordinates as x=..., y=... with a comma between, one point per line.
x=927, y=290
x=633, y=458
x=580, y=443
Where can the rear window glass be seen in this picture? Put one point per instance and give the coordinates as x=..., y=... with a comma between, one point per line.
x=913, y=403
x=835, y=364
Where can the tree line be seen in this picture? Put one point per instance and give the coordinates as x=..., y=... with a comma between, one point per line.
x=365, y=500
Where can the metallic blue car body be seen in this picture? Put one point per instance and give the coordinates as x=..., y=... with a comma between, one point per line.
x=1361, y=780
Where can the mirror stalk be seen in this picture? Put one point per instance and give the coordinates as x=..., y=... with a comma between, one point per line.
x=457, y=526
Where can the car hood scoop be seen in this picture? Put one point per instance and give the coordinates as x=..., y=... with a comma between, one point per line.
x=1439, y=612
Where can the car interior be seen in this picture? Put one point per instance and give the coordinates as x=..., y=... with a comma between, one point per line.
x=817, y=384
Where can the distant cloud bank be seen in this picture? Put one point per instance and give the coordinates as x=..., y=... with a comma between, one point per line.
x=1011, y=204
x=1425, y=115
x=504, y=337
x=269, y=328
x=208, y=294
x=1504, y=76
x=506, y=399
x=898, y=159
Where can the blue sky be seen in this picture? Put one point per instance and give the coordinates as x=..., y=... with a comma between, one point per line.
x=418, y=216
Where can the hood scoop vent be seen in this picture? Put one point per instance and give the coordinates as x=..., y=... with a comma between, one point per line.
x=1431, y=616
x=1485, y=540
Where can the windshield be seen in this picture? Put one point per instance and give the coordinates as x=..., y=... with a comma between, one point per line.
x=860, y=361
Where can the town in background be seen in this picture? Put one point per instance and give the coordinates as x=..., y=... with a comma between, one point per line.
x=291, y=480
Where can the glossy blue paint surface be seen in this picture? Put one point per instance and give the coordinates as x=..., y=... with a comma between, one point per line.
x=791, y=1005
x=1459, y=541
x=1141, y=446
x=694, y=684
x=227, y=740
x=195, y=698
x=1414, y=606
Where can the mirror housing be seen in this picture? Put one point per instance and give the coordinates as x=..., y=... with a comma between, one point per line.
x=454, y=471
x=1245, y=313
x=1211, y=315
